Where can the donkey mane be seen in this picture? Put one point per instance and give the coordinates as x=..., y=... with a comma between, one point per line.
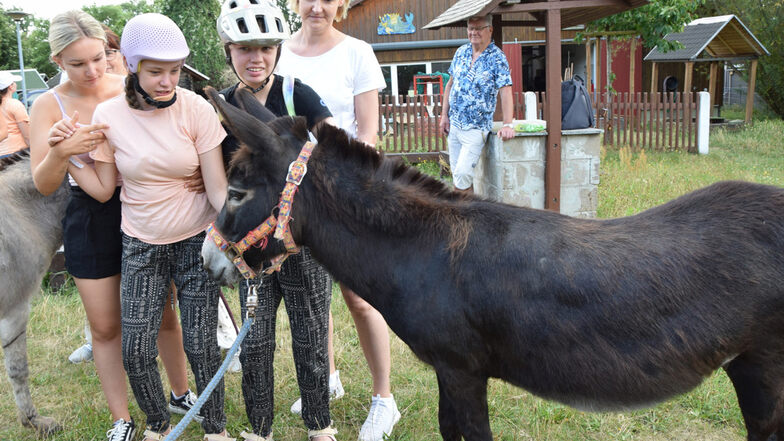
x=382, y=168
x=13, y=159
x=391, y=196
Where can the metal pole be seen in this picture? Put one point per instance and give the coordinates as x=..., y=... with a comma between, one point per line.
x=21, y=63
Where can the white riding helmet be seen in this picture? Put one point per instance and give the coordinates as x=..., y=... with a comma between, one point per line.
x=252, y=22
x=152, y=37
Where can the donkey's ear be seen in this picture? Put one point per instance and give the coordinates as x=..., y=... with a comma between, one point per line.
x=250, y=104
x=246, y=128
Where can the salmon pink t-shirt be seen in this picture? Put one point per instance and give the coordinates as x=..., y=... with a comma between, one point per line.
x=14, y=112
x=154, y=151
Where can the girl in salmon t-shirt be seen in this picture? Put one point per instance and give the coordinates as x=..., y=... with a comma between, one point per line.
x=158, y=135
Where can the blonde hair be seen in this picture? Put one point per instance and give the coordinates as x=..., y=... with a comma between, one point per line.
x=342, y=12
x=71, y=26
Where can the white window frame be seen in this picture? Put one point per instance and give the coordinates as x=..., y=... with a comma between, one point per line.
x=393, y=75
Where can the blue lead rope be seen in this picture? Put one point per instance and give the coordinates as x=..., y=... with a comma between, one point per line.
x=251, y=303
x=205, y=394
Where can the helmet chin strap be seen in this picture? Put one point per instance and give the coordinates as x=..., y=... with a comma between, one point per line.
x=160, y=103
x=255, y=89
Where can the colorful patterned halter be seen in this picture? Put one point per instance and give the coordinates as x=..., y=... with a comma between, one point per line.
x=279, y=224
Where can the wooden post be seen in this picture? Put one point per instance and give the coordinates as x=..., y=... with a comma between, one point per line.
x=687, y=76
x=498, y=30
x=750, y=91
x=654, y=77
x=598, y=81
x=632, y=53
x=588, y=69
x=552, y=171
x=714, y=68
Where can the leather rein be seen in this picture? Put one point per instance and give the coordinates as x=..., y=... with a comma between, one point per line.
x=280, y=224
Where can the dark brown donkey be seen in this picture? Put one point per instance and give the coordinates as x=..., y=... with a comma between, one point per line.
x=597, y=314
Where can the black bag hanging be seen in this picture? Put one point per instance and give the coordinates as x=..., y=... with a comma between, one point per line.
x=576, y=109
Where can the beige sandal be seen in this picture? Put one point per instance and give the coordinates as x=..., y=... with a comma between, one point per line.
x=154, y=436
x=218, y=437
x=327, y=431
x=253, y=437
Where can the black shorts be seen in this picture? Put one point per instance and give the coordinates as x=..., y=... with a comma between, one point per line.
x=91, y=236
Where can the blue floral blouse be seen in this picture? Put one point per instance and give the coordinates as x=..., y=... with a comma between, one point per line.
x=474, y=88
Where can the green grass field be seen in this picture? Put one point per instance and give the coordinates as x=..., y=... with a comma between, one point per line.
x=630, y=182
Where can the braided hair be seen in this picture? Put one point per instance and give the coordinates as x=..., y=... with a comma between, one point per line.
x=130, y=93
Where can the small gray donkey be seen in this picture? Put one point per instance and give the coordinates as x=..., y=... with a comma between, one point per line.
x=30, y=234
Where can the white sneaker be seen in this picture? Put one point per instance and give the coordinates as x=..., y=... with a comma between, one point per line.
x=82, y=354
x=335, y=391
x=381, y=419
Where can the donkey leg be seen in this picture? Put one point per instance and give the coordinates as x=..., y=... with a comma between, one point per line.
x=447, y=416
x=464, y=395
x=760, y=388
x=13, y=335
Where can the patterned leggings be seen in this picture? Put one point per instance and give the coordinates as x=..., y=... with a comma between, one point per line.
x=306, y=288
x=146, y=274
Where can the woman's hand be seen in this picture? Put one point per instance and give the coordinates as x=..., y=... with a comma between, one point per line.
x=62, y=129
x=81, y=140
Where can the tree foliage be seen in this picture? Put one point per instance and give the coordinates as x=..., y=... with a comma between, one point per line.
x=197, y=19
x=292, y=18
x=35, y=47
x=9, y=56
x=765, y=19
x=652, y=21
x=115, y=16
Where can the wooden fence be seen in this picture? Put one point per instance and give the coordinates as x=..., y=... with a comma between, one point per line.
x=661, y=121
x=658, y=121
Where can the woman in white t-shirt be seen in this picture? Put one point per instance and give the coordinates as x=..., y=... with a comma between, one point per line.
x=345, y=73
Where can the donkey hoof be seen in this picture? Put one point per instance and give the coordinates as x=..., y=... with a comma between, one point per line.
x=45, y=426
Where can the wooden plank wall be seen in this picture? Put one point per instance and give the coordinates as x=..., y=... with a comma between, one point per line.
x=362, y=23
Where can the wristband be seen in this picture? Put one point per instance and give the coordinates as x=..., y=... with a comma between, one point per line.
x=510, y=125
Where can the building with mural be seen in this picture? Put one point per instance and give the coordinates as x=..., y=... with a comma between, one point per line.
x=404, y=49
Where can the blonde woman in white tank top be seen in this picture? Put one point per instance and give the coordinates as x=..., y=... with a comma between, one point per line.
x=61, y=135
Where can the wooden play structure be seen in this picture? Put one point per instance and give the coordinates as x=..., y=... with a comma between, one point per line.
x=713, y=40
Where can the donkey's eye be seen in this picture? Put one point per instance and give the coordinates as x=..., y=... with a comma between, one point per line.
x=236, y=196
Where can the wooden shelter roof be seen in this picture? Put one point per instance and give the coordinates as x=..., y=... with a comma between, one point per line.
x=711, y=38
x=532, y=12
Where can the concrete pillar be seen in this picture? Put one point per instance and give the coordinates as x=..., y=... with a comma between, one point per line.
x=703, y=122
x=531, y=106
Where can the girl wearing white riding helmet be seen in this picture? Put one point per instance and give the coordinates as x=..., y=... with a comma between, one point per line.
x=158, y=135
x=252, y=32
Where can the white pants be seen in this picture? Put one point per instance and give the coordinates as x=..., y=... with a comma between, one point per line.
x=465, y=146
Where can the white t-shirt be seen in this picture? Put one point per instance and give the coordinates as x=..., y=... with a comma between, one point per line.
x=338, y=75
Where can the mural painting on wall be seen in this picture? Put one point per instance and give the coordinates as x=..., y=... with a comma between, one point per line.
x=389, y=24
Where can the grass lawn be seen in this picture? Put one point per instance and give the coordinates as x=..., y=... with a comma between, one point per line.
x=630, y=182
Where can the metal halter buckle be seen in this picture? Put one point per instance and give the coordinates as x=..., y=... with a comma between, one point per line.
x=297, y=171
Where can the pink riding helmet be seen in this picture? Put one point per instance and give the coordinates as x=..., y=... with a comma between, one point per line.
x=152, y=37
